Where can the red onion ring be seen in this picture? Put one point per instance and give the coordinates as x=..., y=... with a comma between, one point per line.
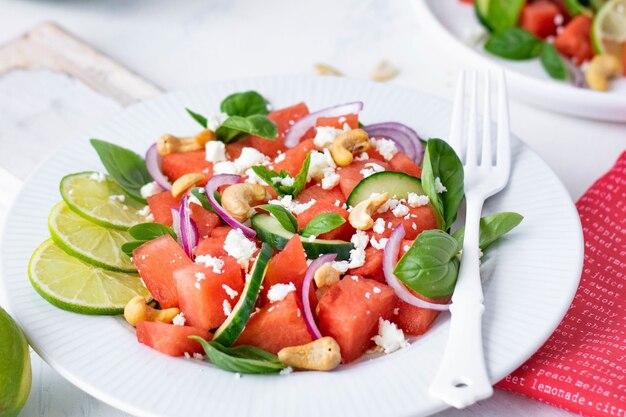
x=303, y=125
x=211, y=187
x=392, y=249
x=407, y=139
x=188, y=231
x=576, y=76
x=153, y=163
x=306, y=287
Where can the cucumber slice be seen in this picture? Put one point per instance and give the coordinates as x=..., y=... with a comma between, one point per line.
x=269, y=230
x=397, y=184
x=232, y=327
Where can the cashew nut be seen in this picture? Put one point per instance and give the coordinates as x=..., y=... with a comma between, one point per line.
x=322, y=354
x=185, y=182
x=326, y=276
x=236, y=199
x=601, y=70
x=361, y=215
x=137, y=310
x=347, y=144
x=171, y=144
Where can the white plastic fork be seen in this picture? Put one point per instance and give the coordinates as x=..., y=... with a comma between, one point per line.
x=462, y=376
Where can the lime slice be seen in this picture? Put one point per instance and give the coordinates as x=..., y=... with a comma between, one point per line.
x=71, y=284
x=88, y=241
x=608, y=30
x=15, y=371
x=98, y=198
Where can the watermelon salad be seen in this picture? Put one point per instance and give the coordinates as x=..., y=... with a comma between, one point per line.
x=267, y=241
x=583, y=41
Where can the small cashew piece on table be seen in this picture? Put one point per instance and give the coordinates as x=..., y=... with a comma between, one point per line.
x=137, y=310
x=361, y=215
x=322, y=354
x=236, y=199
x=171, y=144
x=326, y=275
x=348, y=143
x=185, y=182
x=601, y=70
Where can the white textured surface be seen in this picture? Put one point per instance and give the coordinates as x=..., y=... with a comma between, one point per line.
x=532, y=279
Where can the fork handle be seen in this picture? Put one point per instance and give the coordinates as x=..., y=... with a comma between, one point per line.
x=462, y=376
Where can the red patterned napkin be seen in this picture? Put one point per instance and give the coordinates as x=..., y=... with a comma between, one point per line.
x=582, y=366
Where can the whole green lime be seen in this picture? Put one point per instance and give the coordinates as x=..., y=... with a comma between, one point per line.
x=15, y=372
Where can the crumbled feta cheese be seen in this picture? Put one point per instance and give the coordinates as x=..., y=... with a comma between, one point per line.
x=213, y=121
x=229, y=291
x=226, y=167
x=211, y=262
x=340, y=266
x=276, y=180
x=400, y=210
x=199, y=276
x=227, y=308
x=253, y=178
x=198, y=356
x=117, y=197
x=187, y=355
x=439, y=187
x=292, y=206
x=287, y=181
x=150, y=189
x=280, y=158
x=320, y=162
x=416, y=200
x=406, y=248
x=413, y=226
x=286, y=371
x=386, y=147
x=97, y=176
x=239, y=247
x=558, y=19
x=396, y=311
x=215, y=151
x=371, y=168
x=377, y=290
x=380, y=244
x=312, y=238
x=390, y=204
x=357, y=255
x=368, y=295
x=379, y=226
x=278, y=292
x=179, y=319
x=363, y=157
x=330, y=180
x=325, y=135
x=337, y=203
x=342, y=119
x=389, y=337
x=249, y=157
x=145, y=212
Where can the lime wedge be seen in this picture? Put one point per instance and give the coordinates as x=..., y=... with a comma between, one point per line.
x=88, y=241
x=15, y=372
x=98, y=198
x=608, y=30
x=71, y=284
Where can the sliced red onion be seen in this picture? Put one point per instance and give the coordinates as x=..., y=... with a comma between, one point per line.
x=407, y=139
x=303, y=125
x=211, y=187
x=306, y=287
x=153, y=163
x=392, y=250
x=176, y=222
x=576, y=76
x=188, y=230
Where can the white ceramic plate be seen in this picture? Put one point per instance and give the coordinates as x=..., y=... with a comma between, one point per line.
x=448, y=23
x=533, y=275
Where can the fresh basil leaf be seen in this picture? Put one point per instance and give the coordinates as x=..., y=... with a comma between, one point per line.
x=267, y=175
x=125, y=166
x=492, y=227
x=281, y=214
x=503, y=14
x=149, y=231
x=198, y=118
x=552, y=62
x=244, y=104
x=248, y=360
x=204, y=201
x=430, y=267
x=300, y=180
x=256, y=124
x=129, y=247
x=322, y=223
x=514, y=43
x=440, y=161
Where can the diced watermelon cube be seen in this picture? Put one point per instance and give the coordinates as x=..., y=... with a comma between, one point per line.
x=161, y=206
x=175, y=165
x=156, y=261
x=351, y=175
x=402, y=163
x=419, y=219
x=317, y=193
x=574, y=40
x=413, y=320
x=343, y=232
x=170, y=339
x=373, y=268
x=288, y=265
x=351, y=120
x=204, y=219
x=539, y=18
x=294, y=158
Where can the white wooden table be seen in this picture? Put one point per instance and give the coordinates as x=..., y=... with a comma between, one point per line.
x=183, y=44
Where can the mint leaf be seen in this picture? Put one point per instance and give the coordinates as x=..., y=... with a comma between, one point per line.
x=149, y=231
x=244, y=104
x=514, y=43
x=281, y=214
x=256, y=125
x=243, y=359
x=124, y=166
x=322, y=223
x=430, y=267
x=198, y=118
x=300, y=180
x=440, y=161
x=492, y=227
x=552, y=62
